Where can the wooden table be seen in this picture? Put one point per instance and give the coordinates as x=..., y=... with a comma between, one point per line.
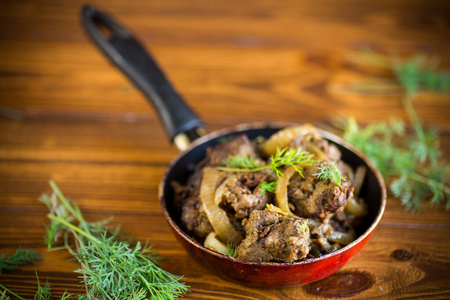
x=67, y=114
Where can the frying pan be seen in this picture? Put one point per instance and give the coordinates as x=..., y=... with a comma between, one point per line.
x=187, y=132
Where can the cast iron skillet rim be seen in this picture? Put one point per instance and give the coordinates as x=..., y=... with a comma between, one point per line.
x=272, y=125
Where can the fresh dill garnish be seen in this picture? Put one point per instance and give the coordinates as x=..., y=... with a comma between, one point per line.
x=412, y=75
x=43, y=292
x=412, y=178
x=285, y=157
x=420, y=73
x=304, y=226
x=231, y=249
x=3, y=296
x=66, y=295
x=330, y=172
x=110, y=268
x=291, y=158
x=268, y=187
x=237, y=161
x=410, y=162
x=20, y=257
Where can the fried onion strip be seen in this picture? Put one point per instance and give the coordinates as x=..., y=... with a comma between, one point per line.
x=282, y=138
x=281, y=190
x=216, y=216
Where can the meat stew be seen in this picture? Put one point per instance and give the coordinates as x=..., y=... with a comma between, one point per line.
x=259, y=213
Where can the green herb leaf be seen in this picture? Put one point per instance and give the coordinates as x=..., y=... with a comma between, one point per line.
x=19, y=258
x=110, y=268
x=295, y=158
x=411, y=163
x=285, y=157
x=419, y=73
x=43, y=292
x=330, y=172
x=237, y=161
x=119, y=271
x=3, y=296
x=415, y=175
x=231, y=249
x=268, y=187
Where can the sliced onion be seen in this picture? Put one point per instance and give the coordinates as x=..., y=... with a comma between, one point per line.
x=281, y=190
x=346, y=169
x=356, y=208
x=314, y=149
x=274, y=209
x=360, y=174
x=220, y=191
x=343, y=238
x=213, y=243
x=282, y=138
x=333, y=152
x=216, y=216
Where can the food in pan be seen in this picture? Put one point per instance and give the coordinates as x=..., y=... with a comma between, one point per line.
x=282, y=199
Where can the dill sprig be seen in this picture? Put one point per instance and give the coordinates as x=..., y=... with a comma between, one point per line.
x=268, y=187
x=285, y=157
x=412, y=75
x=3, y=295
x=43, y=292
x=330, y=172
x=20, y=257
x=295, y=158
x=412, y=163
x=231, y=249
x=110, y=268
x=414, y=174
x=238, y=161
x=420, y=73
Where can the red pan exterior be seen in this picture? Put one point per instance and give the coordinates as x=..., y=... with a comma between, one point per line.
x=271, y=274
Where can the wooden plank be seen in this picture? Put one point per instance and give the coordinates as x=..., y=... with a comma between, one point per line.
x=67, y=114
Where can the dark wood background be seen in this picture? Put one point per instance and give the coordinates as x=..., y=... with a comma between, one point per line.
x=67, y=114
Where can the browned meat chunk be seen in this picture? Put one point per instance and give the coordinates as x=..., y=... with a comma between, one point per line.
x=193, y=217
x=273, y=236
x=195, y=220
x=239, y=145
x=314, y=143
x=243, y=194
x=310, y=196
x=188, y=201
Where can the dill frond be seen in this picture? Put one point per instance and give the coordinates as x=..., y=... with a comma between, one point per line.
x=238, y=161
x=43, y=292
x=66, y=295
x=414, y=174
x=19, y=258
x=268, y=187
x=3, y=296
x=420, y=73
x=295, y=158
x=110, y=267
x=117, y=270
x=330, y=172
x=231, y=249
x=412, y=163
x=285, y=157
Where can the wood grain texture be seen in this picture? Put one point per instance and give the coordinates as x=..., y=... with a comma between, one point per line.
x=67, y=114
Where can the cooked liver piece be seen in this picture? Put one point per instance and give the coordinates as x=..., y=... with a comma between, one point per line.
x=310, y=196
x=273, y=236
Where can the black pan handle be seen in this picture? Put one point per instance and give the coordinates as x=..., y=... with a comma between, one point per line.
x=128, y=54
